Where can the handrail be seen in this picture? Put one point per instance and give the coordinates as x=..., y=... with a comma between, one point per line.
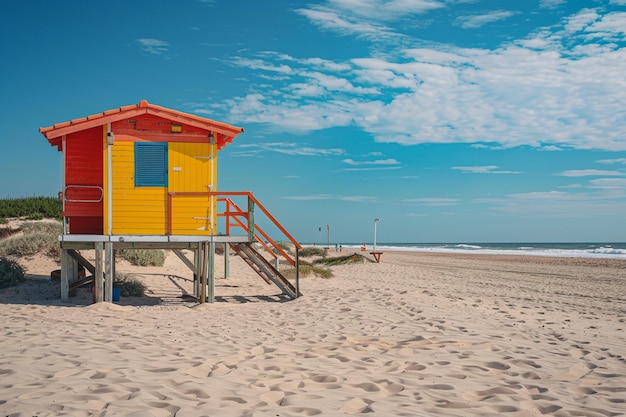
x=83, y=187
x=233, y=211
x=262, y=233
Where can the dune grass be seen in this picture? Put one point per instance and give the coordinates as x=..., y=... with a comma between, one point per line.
x=143, y=257
x=37, y=238
x=353, y=258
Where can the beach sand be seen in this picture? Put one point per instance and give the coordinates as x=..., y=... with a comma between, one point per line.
x=415, y=335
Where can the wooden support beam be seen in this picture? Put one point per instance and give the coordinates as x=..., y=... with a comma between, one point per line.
x=211, y=273
x=98, y=276
x=203, y=272
x=82, y=261
x=297, y=272
x=226, y=260
x=108, y=272
x=183, y=258
x=251, y=230
x=197, y=260
x=66, y=272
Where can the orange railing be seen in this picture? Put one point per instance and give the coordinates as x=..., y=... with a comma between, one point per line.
x=236, y=217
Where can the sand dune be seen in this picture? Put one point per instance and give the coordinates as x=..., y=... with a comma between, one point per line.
x=416, y=335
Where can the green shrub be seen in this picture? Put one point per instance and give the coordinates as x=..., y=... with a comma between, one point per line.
x=287, y=247
x=129, y=286
x=4, y=220
x=11, y=273
x=31, y=207
x=31, y=244
x=55, y=228
x=144, y=257
x=313, y=251
x=306, y=269
x=354, y=258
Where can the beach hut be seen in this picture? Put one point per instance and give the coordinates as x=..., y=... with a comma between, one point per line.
x=145, y=176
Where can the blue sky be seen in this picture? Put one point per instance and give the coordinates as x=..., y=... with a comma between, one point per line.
x=450, y=120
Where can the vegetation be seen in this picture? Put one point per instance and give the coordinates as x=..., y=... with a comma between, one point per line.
x=11, y=273
x=144, y=257
x=354, y=258
x=7, y=231
x=129, y=286
x=38, y=237
x=313, y=251
x=33, y=208
x=306, y=269
x=287, y=247
x=55, y=228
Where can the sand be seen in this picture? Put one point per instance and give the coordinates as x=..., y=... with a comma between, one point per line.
x=415, y=335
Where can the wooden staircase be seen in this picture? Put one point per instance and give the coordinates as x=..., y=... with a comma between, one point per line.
x=265, y=269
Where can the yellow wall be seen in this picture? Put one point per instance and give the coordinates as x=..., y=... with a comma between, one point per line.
x=192, y=169
x=143, y=210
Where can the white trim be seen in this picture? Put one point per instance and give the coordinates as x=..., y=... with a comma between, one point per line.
x=109, y=182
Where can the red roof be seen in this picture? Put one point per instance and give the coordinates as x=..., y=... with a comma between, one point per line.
x=55, y=132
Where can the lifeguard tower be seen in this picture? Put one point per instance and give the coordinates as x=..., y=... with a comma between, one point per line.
x=144, y=176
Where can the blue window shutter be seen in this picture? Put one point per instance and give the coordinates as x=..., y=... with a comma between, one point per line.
x=150, y=164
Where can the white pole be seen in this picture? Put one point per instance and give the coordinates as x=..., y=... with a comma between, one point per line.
x=328, y=242
x=110, y=140
x=375, y=223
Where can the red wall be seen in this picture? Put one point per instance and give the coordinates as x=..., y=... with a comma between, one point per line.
x=83, y=166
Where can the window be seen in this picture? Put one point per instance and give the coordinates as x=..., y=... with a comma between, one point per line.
x=150, y=164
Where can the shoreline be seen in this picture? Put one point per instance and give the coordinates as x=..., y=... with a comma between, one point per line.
x=561, y=250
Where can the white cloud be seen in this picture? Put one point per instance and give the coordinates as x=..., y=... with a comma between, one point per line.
x=433, y=201
x=153, y=46
x=362, y=18
x=550, y=4
x=288, y=149
x=489, y=169
x=607, y=200
x=389, y=161
x=613, y=161
x=385, y=9
x=331, y=20
x=610, y=183
x=562, y=87
x=328, y=14
x=262, y=65
x=370, y=169
x=315, y=197
x=480, y=20
x=590, y=173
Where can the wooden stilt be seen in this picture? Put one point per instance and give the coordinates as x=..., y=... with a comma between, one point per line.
x=226, y=260
x=68, y=265
x=108, y=272
x=197, y=260
x=98, y=276
x=203, y=272
x=297, y=272
x=211, y=273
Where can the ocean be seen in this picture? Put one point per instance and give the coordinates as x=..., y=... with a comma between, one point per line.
x=615, y=250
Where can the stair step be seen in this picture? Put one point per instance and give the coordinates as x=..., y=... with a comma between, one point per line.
x=263, y=268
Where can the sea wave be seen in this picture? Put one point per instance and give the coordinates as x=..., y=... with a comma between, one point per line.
x=570, y=250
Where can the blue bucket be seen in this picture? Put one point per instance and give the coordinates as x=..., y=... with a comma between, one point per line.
x=116, y=294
